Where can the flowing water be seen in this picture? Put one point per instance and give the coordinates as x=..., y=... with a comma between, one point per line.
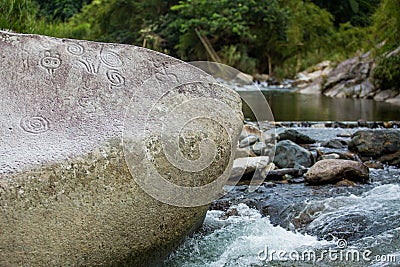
x=323, y=226
x=299, y=225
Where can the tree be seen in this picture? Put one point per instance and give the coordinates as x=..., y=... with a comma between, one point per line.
x=250, y=28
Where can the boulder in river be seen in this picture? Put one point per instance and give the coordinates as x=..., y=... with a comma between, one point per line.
x=86, y=128
x=290, y=155
x=335, y=170
x=382, y=145
x=294, y=136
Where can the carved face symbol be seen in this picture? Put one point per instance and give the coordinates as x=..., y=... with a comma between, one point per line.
x=50, y=61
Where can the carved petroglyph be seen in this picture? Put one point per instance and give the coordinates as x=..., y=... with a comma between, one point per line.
x=90, y=65
x=51, y=61
x=111, y=59
x=76, y=49
x=115, y=78
x=35, y=125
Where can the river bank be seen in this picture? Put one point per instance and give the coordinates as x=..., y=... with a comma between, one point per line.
x=288, y=213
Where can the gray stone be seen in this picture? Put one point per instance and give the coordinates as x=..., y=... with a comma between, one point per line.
x=330, y=156
x=295, y=136
x=259, y=147
x=82, y=125
x=254, y=165
x=291, y=155
x=335, y=170
x=335, y=143
x=313, y=88
x=394, y=101
x=386, y=94
x=244, y=152
x=382, y=145
x=367, y=89
x=248, y=141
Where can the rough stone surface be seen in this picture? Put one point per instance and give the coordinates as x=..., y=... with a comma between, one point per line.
x=68, y=194
x=252, y=165
x=291, y=155
x=383, y=145
x=386, y=94
x=259, y=148
x=244, y=152
x=294, y=136
x=336, y=170
x=248, y=141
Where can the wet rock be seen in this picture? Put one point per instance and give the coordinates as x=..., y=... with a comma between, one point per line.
x=385, y=95
x=382, y=145
x=345, y=182
x=330, y=156
x=335, y=143
x=248, y=141
x=69, y=191
x=259, y=148
x=250, y=130
x=290, y=155
x=294, y=136
x=335, y=170
x=280, y=173
x=258, y=166
x=244, y=152
x=372, y=164
x=343, y=154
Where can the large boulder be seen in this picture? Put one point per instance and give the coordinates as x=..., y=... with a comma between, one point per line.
x=383, y=145
x=336, y=170
x=98, y=145
x=290, y=155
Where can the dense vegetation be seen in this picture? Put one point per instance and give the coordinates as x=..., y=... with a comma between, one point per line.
x=278, y=37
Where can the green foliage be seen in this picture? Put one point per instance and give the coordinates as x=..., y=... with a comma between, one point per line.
x=387, y=72
x=387, y=34
x=18, y=15
x=60, y=9
x=231, y=28
x=357, y=12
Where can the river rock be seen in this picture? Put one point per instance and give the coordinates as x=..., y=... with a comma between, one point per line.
x=244, y=152
x=290, y=155
x=295, y=136
x=350, y=78
x=248, y=141
x=252, y=165
x=248, y=130
x=382, y=145
x=385, y=95
x=259, y=148
x=85, y=130
x=335, y=143
x=335, y=170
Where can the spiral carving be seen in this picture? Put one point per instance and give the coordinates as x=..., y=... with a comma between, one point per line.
x=115, y=78
x=76, y=49
x=35, y=125
x=111, y=59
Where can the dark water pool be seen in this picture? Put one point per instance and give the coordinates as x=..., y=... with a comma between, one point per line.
x=290, y=106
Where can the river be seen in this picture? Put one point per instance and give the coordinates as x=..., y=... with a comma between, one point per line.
x=300, y=225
